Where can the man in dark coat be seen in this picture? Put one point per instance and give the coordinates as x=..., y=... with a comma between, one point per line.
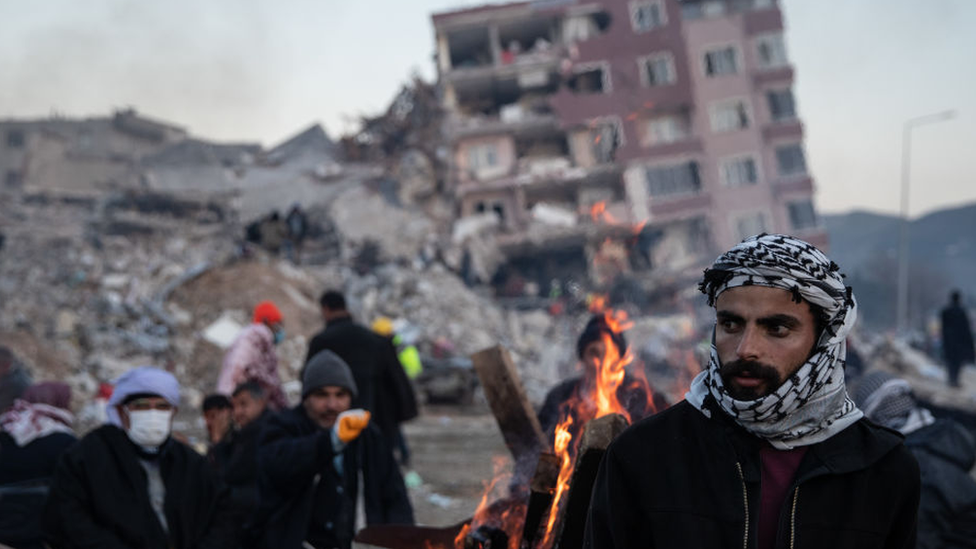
x=767, y=451
x=310, y=460
x=633, y=393
x=945, y=451
x=383, y=386
x=236, y=456
x=129, y=485
x=957, y=338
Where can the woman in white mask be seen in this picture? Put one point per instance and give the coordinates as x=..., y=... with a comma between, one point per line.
x=129, y=484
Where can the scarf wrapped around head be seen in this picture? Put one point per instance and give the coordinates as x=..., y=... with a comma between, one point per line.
x=144, y=379
x=812, y=405
x=26, y=421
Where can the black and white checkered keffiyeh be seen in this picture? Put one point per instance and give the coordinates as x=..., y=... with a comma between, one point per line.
x=812, y=405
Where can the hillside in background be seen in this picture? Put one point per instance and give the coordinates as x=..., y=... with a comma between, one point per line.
x=943, y=256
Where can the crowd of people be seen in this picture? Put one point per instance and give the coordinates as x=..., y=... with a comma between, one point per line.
x=772, y=447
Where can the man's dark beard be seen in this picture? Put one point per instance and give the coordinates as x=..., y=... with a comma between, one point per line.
x=754, y=369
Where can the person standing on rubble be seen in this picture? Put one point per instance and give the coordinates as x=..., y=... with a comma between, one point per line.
x=767, y=450
x=384, y=389
x=945, y=450
x=591, y=349
x=297, y=223
x=311, y=458
x=252, y=356
x=957, y=338
x=130, y=484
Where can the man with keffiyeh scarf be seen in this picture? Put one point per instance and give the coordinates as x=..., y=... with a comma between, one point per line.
x=767, y=450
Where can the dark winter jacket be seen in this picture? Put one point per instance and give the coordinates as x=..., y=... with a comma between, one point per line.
x=957, y=336
x=947, y=511
x=630, y=396
x=36, y=460
x=99, y=498
x=383, y=387
x=297, y=475
x=236, y=460
x=679, y=479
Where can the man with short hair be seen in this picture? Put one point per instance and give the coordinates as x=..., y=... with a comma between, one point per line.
x=311, y=458
x=767, y=451
x=216, y=417
x=129, y=484
x=236, y=457
x=383, y=386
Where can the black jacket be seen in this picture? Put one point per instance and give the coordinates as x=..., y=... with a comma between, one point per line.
x=36, y=460
x=947, y=511
x=957, y=335
x=383, y=387
x=236, y=460
x=679, y=479
x=99, y=498
x=296, y=460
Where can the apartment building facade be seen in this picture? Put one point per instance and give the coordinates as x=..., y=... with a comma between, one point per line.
x=676, y=117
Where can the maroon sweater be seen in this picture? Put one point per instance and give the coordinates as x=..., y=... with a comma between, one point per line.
x=778, y=471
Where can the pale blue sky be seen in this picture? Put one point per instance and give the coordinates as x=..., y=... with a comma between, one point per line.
x=260, y=70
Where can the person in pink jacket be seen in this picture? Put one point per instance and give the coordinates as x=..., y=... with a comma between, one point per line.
x=252, y=356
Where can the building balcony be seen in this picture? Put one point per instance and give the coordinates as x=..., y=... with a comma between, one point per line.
x=778, y=75
x=802, y=184
x=668, y=208
x=549, y=174
x=526, y=63
x=519, y=122
x=787, y=129
x=690, y=145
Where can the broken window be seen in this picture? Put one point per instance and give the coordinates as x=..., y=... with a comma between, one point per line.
x=470, y=48
x=657, y=69
x=483, y=156
x=607, y=137
x=781, y=105
x=790, y=160
x=646, y=16
x=721, y=61
x=667, y=128
x=15, y=139
x=593, y=80
x=730, y=115
x=682, y=178
x=750, y=225
x=12, y=178
x=802, y=215
x=771, y=51
x=737, y=172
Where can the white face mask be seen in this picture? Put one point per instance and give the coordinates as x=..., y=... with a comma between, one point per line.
x=149, y=428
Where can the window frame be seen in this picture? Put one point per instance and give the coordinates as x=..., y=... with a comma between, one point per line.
x=758, y=40
x=725, y=161
x=803, y=154
x=645, y=74
x=635, y=6
x=736, y=54
x=715, y=106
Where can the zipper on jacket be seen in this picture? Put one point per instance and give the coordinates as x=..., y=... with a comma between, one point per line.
x=796, y=495
x=745, y=502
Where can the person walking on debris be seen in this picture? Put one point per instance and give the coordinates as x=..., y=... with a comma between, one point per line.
x=310, y=460
x=767, y=450
x=252, y=356
x=957, y=338
x=235, y=457
x=33, y=435
x=591, y=349
x=945, y=451
x=129, y=484
x=297, y=224
x=217, y=417
x=384, y=389
x=273, y=232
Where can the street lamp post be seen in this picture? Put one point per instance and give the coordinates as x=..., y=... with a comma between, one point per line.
x=903, y=248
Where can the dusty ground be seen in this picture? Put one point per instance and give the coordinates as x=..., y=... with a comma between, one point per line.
x=452, y=452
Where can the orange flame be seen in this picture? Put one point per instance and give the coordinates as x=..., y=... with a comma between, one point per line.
x=509, y=520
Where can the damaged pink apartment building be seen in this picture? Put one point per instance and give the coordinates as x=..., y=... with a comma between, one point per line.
x=676, y=119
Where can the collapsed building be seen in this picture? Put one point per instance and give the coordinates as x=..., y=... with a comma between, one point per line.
x=612, y=136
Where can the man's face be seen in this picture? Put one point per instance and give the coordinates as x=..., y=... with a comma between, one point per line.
x=218, y=423
x=762, y=337
x=593, y=355
x=247, y=407
x=324, y=405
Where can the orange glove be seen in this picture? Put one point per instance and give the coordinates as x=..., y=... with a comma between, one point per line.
x=350, y=423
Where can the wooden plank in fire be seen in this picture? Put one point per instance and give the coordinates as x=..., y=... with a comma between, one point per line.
x=506, y=396
x=540, y=497
x=597, y=436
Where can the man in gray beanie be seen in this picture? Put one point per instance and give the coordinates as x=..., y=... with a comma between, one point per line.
x=310, y=461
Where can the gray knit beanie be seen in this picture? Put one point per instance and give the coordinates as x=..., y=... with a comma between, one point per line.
x=327, y=369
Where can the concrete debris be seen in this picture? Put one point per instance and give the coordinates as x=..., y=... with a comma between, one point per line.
x=223, y=331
